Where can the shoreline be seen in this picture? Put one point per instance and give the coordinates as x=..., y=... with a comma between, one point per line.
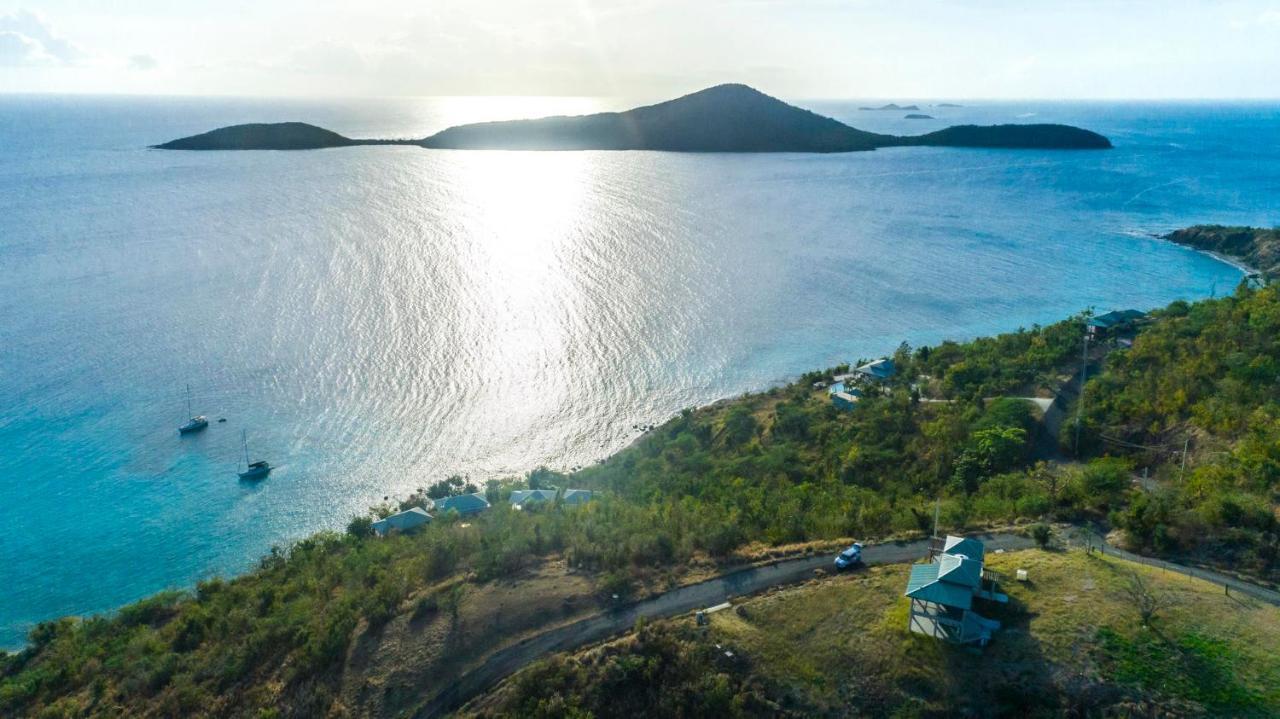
x=1248, y=270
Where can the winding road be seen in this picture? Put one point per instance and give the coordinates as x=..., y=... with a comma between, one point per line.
x=510, y=659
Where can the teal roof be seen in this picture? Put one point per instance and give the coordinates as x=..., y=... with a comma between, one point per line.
x=527, y=496
x=577, y=496
x=880, y=369
x=960, y=570
x=971, y=548
x=402, y=521
x=1117, y=317
x=925, y=585
x=462, y=504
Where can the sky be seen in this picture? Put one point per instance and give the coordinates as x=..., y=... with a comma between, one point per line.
x=645, y=48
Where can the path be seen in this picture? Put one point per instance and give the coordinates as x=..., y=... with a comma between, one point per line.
x=1232, y=584
x=511, y=659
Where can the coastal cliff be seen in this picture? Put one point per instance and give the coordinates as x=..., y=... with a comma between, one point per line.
x=1256, y=247
x=724, y=118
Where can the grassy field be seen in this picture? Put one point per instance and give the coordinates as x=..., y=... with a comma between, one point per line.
x=1073, y=643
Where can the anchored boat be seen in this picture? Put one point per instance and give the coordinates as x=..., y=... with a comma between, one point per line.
x=253, y=470
x=197, y=421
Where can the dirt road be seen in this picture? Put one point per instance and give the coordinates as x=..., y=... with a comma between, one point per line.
x=511, y=659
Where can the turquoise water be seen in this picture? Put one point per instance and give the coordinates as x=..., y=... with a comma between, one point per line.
x=377, y=318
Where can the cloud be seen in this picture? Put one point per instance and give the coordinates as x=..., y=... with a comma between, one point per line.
x=18, y=50
x=326, y=57
x=1270, y=18
x=143, y=62
x=26, y=39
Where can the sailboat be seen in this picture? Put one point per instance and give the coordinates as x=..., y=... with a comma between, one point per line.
x=197, y=421
x=253, y=470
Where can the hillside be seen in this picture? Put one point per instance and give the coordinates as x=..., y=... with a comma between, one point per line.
x=1072, y=645
x=724, y=118
x=262, y=136
x=1060, y=137
x=1256, y=247
x=362, y=626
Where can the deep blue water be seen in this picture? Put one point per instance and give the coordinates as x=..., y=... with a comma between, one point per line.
x=380, y=317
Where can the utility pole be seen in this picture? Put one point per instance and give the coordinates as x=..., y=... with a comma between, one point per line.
x=1183, y=472
x=937, y=504
x=1084, y=372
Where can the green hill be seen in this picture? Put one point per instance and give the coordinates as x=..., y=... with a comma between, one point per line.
x=1256, y=247
x=1072, y=644
x=724, y=118
x=349, y=624
x=262, y=136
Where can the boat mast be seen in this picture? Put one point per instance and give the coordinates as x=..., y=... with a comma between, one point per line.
x=244, y=438
x=189, y=400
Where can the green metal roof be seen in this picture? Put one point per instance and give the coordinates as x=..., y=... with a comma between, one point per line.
x=971, y=548
x=924, y=585
x=462, y=504
x=960, y=570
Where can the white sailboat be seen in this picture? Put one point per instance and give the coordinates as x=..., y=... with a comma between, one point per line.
x=197, y=421
x=253, y=470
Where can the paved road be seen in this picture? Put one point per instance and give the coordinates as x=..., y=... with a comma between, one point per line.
x=1231, y=584
x=509, y=660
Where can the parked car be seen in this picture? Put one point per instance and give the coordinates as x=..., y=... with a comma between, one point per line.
x=850, y=557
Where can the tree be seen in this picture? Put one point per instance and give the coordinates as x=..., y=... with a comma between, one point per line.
x=360, y=527
x=1042, y=533
x=1146, y=600
x=739, y=426
x=451, y=486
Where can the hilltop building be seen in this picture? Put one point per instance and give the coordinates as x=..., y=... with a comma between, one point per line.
x=877, y=371
x=523, y=497
x=576, y=497
x=942, y=593
x=463, y=504
x=405, y=521
x=1114, y=322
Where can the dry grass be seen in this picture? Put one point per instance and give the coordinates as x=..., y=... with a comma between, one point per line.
x=841, y=645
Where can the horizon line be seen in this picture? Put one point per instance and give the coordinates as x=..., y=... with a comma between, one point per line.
x=638, y=98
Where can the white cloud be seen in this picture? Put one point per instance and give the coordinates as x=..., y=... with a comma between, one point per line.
x=27, y=39
x=18, y=50
x=1270, y=18
x=326, y=57
x=143, y=62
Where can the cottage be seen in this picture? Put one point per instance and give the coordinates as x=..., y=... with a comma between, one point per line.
x=847, y=399
x=463, y=504
x=1115, y=321
x=942, y=594
x=406, y=521
x=877, y=371
x=575, y=497
x=522, y=497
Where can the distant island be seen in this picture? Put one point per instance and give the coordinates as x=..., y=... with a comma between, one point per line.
x=1256, y=247
x=948, y=104
x=918, y=116
x=892, y=107
x=724, y=118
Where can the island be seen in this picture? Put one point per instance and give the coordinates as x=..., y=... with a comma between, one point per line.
x=1257, y=248
x=891, y=107
x=724, y=118
x=948, y=104
x=918, y=116
x=271, y=136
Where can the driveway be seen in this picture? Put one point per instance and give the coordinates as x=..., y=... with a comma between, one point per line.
x=508, y=660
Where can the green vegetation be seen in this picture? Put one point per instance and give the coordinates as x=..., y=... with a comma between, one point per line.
x=306, y=632
x=1204, y=377
x=1071, y=645
x=1258, y=248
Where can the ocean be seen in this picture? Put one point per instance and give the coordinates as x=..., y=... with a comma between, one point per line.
x=377, y=318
